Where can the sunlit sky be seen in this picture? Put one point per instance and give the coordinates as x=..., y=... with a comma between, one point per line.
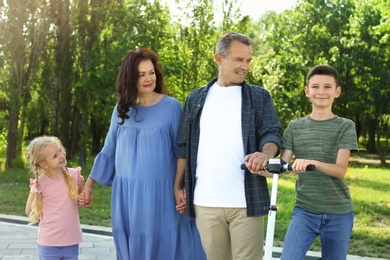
x=255, y=8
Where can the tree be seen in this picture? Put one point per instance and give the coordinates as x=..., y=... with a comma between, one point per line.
x=25, y=30
x=371, y=65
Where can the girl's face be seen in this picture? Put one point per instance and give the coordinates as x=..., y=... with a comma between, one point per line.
x=54, y=157
x=147, y=77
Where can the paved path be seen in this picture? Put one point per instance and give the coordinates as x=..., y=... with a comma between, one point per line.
x=18, y=241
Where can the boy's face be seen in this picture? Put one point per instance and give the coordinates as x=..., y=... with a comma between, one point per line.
x=322, y=90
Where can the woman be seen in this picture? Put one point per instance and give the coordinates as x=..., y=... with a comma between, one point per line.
x=139, y=161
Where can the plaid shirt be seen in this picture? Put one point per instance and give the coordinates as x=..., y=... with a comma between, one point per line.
x=260, y=125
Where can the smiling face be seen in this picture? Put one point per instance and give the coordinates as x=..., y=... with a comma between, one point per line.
x=234, y=67
x=54, y=156
x=147, y=78
x=322, y=90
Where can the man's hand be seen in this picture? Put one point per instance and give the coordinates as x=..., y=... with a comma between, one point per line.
x=180, y=197
x=256, y=162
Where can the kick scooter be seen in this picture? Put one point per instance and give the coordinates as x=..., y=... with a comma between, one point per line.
x=275, y=166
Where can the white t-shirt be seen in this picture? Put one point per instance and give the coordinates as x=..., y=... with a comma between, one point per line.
x=219, y=179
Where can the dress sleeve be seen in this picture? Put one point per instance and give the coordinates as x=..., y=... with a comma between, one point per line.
x=103, y=170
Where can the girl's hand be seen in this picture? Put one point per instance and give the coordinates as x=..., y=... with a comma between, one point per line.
x=85, y=197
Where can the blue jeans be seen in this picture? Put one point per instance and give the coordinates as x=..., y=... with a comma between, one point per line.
x=58, y=252
x=334, y=230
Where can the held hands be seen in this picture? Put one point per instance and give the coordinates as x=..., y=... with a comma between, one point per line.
x=85, y=197
x=180, y=197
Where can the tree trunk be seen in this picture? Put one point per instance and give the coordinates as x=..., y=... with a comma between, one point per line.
x=83, y=139
x=382, y=150
x=12, y=136
x=63, y=74
x=96, y=135
x=74, y=132
x=15, y=48
x=371, y=136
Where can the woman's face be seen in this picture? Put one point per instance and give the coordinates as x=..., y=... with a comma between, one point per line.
x=147, y=77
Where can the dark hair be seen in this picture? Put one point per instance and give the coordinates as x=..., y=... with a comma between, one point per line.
x=127, y=79
x=323, y=70
x=225, y=41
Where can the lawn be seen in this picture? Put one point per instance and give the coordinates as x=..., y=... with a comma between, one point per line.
x=369, y=185
x=370, y=190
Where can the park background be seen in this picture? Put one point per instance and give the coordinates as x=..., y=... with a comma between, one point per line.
x=60, y=58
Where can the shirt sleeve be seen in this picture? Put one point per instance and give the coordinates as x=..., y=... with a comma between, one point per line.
x=33, y=186
x=270, y=129
x=349, y=138
x=287, y=139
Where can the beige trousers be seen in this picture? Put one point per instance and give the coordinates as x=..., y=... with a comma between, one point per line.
x=227, y=233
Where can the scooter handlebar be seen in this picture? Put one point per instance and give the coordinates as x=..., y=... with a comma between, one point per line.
x=280, y=167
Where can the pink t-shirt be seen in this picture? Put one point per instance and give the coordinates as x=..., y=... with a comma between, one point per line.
x=59, y=223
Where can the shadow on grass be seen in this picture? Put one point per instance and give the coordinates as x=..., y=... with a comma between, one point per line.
x=368, y=184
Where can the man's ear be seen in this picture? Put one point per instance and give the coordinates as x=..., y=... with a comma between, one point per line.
x=218, y=58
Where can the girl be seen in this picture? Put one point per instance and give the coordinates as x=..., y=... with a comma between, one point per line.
x=53, y=199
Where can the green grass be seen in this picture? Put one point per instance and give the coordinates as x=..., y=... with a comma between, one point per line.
x=14, y=191
x=370, y=190
x=369, y=185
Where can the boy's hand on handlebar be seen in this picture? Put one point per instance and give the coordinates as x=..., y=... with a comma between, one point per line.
x=300, y=166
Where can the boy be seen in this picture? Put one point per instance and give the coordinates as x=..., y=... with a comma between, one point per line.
x=323, y=203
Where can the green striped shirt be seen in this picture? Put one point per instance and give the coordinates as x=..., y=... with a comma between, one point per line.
x=321, y=140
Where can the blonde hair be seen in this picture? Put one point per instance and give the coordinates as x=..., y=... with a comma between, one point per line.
x=35, y=157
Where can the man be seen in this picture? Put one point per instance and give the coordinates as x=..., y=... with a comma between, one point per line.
x=225, y=123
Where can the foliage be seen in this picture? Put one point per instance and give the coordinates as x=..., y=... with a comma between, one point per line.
x=349, y=35
x=60, y=60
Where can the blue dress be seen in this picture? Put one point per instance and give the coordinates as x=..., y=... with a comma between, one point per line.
x=139, y=161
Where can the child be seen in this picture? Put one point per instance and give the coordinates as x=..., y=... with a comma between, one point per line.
x=323, y=203
x=53, y=199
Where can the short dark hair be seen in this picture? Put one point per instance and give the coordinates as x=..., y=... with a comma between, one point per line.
x=323, y=70
x=225, y=41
